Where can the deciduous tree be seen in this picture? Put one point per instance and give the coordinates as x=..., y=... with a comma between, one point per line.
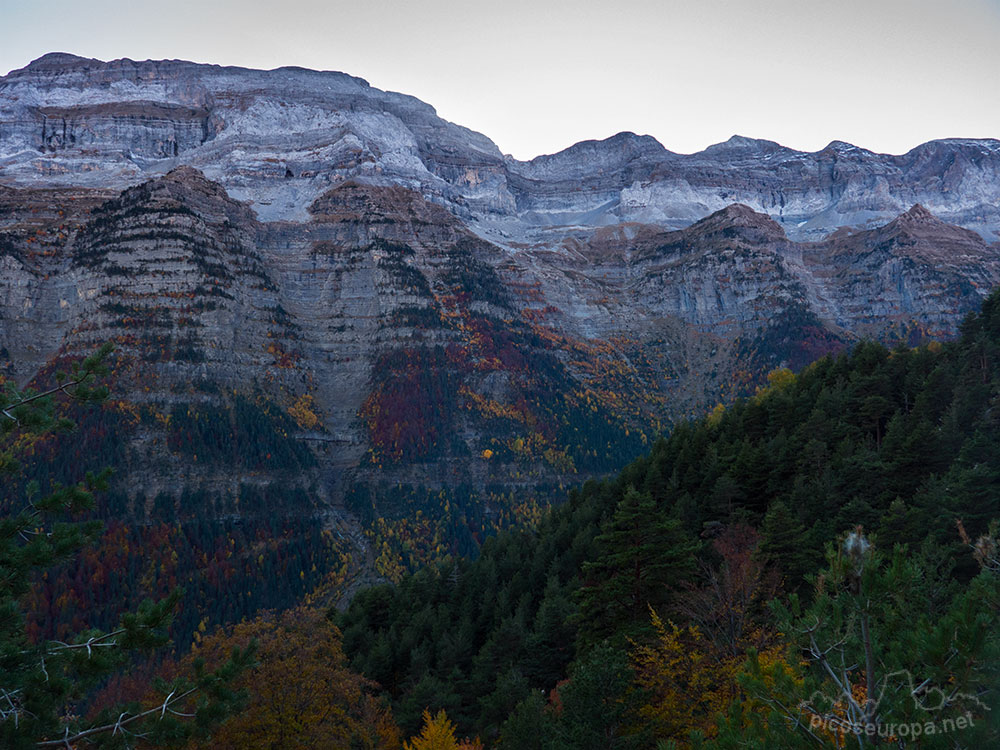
x=301, y=692
x=438, y=733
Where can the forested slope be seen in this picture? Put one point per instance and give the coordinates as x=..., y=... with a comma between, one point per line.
x=724, y=515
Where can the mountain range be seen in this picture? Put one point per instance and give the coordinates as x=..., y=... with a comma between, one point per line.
x=317, y=285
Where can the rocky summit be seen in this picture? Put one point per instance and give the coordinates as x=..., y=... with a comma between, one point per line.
x=321, y=286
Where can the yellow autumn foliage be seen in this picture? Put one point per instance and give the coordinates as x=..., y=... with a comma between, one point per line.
x=438, y=733
x=688, y=680
x=303, y=694
x=716, y=415
x=303, y=412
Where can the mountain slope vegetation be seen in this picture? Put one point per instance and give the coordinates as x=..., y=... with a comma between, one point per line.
x=901, y=443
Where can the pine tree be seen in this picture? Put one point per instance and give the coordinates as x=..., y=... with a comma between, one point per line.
x=528, y=725
x=551, y=642
x=644, y=555
x=785, y=544
x=597, y=705
x=881, y=654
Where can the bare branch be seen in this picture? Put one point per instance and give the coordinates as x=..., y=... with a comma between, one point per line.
x=792, y=717
x=97, y=641
x=120, y=724
x=62, y=387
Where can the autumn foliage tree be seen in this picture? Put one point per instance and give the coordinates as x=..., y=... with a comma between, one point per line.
x=903, y=442
x=689, y=675
x=302, y=694
x=438, y=733
x=730, y=603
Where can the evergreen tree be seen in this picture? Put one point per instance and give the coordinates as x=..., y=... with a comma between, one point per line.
x=886, y=661
x=551, y=642
x=528, y=725
x=785, y=544
x=644, y=555
x=597, y=705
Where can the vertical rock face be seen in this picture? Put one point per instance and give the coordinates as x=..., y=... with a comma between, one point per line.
x=176, y=259
x=914, y=269
x=323, y=287
x=279, y=139
x=147, y=130
x=419, y=346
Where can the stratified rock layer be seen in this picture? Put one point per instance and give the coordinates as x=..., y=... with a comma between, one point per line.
x=279, y=139
x=414, y=308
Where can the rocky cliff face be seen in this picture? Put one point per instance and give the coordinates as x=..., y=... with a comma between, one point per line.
x=375, y=303
x=279, y=139
x=276, y=138
x=418, y=346
x=810, y=194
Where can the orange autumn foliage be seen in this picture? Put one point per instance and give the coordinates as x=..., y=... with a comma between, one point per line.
x=689, y=674
x=303, y=411
x=302, y=693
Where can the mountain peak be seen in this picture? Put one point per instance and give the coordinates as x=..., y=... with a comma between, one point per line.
x=739, y=211
x=190, y=178
x=190, y=187
x=53, y=61
x=843, y=147
x=185, y=173
x=742, y=217
x=624, y=144
x=936, y=239
x=743, y=145
x=742, y=141
x=915, y=222
x=742, y=213
x=917, y=215
x=57, y=58
x=354, y=200
x=921, y=236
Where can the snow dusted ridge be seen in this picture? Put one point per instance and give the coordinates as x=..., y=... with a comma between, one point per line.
x=279, y=139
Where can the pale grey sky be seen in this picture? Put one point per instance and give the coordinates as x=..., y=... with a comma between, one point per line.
x=539, y=75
